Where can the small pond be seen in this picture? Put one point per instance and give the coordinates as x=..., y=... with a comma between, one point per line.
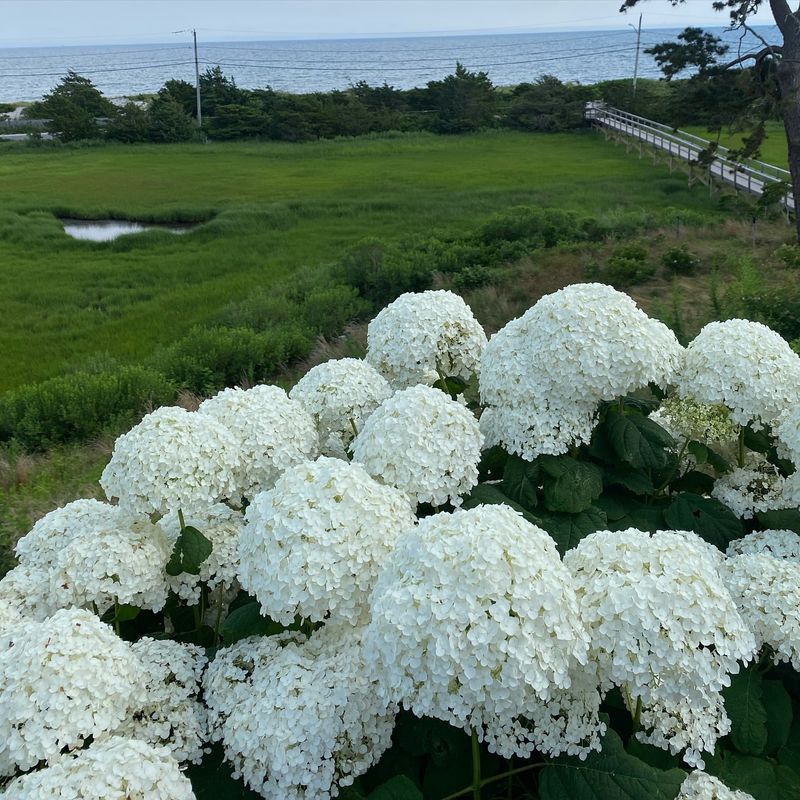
x=104, y=230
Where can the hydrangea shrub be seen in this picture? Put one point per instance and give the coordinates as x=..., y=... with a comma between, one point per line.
x=560, y=565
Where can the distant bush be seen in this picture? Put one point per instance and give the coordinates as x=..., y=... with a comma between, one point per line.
x=545, y=227
x=789, y=254
x=627, y=265
x=680, y=261
x=547, y=105
x=472, y=278
x=79, y=406
x=208, y=359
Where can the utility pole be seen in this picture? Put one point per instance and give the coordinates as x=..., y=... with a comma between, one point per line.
x=197, y=75
x=635, y=66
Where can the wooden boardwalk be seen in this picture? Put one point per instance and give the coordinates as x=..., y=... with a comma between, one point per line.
x=684, y=148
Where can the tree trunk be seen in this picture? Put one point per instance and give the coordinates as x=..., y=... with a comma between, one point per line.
x=789, y=82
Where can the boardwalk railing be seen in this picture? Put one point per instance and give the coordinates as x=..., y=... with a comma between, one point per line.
x=751, y=175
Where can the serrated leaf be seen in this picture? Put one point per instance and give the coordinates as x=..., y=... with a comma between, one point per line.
x=706, y=517
x=490, y=494
x=744, y=706
x=611, y=774
x=757, y=441
x=638, y=440
x=398, y=788
x=785, y=520
x=574, y=490
x=624, y=511
x=759, y=777
x=693, y=481
x=127, y=612
x=652, y=755
x=248, y=621
x=568, y=529
x=699, y=451
x=778, y=705
x=190, y=551
x=632, y=479
x=521, y=481
x=789, y=754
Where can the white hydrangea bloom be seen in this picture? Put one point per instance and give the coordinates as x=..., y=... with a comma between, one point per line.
x=767, y=592
x=664, y=629
x=744, y=366
x=544, y=374
x=95, y=554
x=474, y=621
x=701, y=786
x=222, y=526
x=314, y=545
x=787, y=432
x=26, y=590
x=61, y=681
x=423, y=443
x=229, y=677
x=779, y=544
x=173, y=459
x=271, y=433
x=114, y=768
x=171, y=715
x=340, y=394
x=298, y=720
x=424, y=336
x=754, y=488
x=9, y=613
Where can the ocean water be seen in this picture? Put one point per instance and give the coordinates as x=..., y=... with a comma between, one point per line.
x=320, y=65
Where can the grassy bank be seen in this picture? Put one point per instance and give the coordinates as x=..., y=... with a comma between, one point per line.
x=773, y=149
x=271, y=208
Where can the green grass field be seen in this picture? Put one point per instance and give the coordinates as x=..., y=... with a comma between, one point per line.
x=271, y=208
x=773, y=150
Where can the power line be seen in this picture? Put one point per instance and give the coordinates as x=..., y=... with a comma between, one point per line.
x=94, y=71
x=74, y=56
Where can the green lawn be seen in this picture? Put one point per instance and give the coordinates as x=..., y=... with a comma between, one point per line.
x=273, y=207
x=773, y=149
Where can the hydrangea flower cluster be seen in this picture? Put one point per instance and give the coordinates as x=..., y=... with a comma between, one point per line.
x=422, y=337
x=94, y=555
x=25, y=592
x=664, y=629
x=701, y=786
x=61, y=681
x=767, y=592
x=340, y=394
x=475, y=622
x=746, y=367
x=172, y=459
x=544, y=374
x=751, y=489
x=314, y=545
x=423, y=443
x=115, y=768
x=776, y=543
x=270, y=432
x=222, y=526
x=301, y=722
x=172, y=715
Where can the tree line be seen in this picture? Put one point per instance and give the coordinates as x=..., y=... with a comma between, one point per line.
x=462, y=102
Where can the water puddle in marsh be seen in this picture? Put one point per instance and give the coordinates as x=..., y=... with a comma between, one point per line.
x=105, y=230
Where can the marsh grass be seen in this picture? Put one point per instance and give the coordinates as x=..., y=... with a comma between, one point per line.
x=265, y=210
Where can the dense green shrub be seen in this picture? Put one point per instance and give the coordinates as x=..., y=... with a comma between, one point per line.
x=79, y=406
x=207, y=359
x=547, y=105
x=546, y=227
x=627, y=265
x=680, y=261
x=789, y=255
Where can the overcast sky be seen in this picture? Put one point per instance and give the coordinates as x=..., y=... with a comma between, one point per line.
x=74, y=22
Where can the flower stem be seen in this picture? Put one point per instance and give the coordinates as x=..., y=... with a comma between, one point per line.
x=476, y=767
x=741, y=447
x=219, y=612
x=117, y=626
x=181, y=520
x=495, y=778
